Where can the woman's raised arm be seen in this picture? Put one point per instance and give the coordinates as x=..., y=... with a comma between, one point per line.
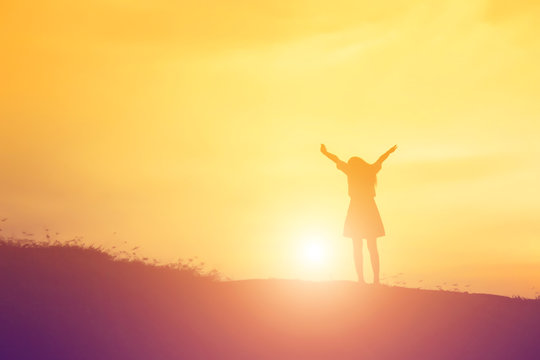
x=385, y=155
x=331, y=156
x=341, y=165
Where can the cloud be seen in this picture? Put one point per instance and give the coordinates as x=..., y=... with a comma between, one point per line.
x=200, y=24
x=460, y=168
x=501, y=10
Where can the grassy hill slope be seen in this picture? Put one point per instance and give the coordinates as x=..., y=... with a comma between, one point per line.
x=71, y=303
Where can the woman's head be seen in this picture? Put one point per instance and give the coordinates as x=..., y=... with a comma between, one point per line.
x=357, y=163
x=362, y=170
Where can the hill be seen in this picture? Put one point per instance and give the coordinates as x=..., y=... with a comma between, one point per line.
x=65, y=302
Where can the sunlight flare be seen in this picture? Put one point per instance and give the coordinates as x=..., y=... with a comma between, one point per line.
x=314, y=250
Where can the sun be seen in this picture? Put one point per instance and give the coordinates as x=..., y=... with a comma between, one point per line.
x=314, y=250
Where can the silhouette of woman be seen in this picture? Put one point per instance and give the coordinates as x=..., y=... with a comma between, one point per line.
x=363, y=219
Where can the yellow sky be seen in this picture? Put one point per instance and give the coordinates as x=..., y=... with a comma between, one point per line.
x=192, y=129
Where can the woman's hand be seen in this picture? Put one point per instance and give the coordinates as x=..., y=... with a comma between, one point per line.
x=385, y=155
x=332, y=157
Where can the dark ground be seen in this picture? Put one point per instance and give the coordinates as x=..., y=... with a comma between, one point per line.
x=71, y=303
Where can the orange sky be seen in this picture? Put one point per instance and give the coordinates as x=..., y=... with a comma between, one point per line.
x=192, y=129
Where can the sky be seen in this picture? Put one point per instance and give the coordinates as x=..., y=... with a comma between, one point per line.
x=192, y=129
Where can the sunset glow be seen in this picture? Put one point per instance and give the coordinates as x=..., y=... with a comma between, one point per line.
x=192, y=129
x=314, y=251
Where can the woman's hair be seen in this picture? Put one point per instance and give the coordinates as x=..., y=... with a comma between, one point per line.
x=362, y=170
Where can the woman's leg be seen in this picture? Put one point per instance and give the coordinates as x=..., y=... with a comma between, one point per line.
x=374, y=256
x=358, y=259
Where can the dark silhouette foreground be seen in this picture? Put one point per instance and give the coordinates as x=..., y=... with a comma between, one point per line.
x=69, y=303
x=363, y=219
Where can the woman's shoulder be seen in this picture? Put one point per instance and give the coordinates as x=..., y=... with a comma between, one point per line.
x=375, y=167
x=342, y=165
